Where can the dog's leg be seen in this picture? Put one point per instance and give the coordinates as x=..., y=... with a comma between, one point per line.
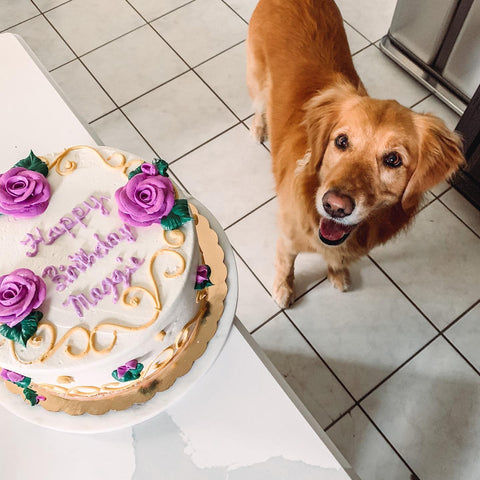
x=283, y=284
x=339, y=277
x=258, y=129
x=257, y=88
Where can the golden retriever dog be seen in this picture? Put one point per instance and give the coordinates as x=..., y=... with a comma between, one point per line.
x=350, y=170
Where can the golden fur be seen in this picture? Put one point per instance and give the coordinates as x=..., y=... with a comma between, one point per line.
x=308, y=96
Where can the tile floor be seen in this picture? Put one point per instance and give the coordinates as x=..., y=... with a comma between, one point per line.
x=390, y=369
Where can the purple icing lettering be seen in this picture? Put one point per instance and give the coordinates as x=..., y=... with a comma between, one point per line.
x=79, y=302
x=102, y=248
x=50, y=271
x=72, y=273
x=126, y=233
x=82, y=260
x=67, y=223
x=61, y=281
x=79, y=213
x=113, y=239
x=53, y=234
x=97, y=204
x=108, y=287
x=96, y=294
x=35, y=242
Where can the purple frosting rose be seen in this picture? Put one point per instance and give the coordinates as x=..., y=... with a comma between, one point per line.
x=11, y=376
x=23, y=193
x=20, y=292
x=145, y=199
x=202, y=274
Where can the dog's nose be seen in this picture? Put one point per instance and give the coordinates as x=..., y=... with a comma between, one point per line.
x=338, y=205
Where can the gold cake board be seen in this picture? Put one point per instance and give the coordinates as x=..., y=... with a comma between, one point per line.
x=201, y=329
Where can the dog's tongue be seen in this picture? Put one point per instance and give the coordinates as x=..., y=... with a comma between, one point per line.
x=333, y=230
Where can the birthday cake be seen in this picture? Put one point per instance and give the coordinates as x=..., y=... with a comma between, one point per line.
x=102, y=280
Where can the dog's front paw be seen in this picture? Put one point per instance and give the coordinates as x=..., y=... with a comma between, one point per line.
x=283, y=294
x=340, y=279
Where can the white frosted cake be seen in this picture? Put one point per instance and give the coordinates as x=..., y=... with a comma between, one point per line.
x=99, y=277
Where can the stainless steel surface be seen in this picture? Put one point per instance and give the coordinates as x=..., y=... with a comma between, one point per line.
x=422, y=76
x=463, y=66
x=421, y=25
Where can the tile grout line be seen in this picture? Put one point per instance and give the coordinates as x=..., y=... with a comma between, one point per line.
x=252, y=211
x=439, y=330
x=455, y=215
x=79, y=58
x=388, y=442
x=234, y=11
x=468, y=310
x=183, y=155
x=163, y=14
x=357, y=31
x=256, y=329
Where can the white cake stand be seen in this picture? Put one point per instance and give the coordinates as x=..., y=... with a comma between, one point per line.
x=138, y=413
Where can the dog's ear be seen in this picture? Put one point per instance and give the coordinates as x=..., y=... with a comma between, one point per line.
x=321, y=114
x=440, y=155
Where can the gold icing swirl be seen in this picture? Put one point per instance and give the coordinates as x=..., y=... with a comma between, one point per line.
x=90, y=335
x=174, y=238
x=180, y=269
x=65, y=379
x=163, y=359
x=67, y=167
x=160, y=336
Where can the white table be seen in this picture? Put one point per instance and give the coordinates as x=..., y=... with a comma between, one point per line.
x=239, y=420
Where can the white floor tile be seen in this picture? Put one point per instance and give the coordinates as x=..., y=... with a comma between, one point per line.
x=384, y=79
x=45, y=5
x=45, y=42
x=355, y=41
x=87, y=24
x=429, y=411
x=436, y=263
x=226, y=74
x=255, y=305
x=463, y=209
x=115, y=130
x=365, y=449
x=16, y=12
x=152, y=9
x=244, y=8
x=441, y=188
x=316, y=386
x=363, y=334
x=436, y=107
x=230, y=175
x=178, y=116
x=258, y=250
x=87, y=97
x=371, y=18
x=465, y=335
x=144, y=60
x=212, y=27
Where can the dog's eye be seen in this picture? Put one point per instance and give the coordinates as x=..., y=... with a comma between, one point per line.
x=392, y=160
x=341, y=142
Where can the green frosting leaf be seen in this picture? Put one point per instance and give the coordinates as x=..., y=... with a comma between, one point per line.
x=130, y=375
x=24, y=383
x=136, y=171
x=162, y=166
x=179, y=215
x=31, y=396
x=32, y=162
x=24, y=330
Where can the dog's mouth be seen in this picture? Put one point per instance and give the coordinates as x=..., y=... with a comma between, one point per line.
x=332, y=232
